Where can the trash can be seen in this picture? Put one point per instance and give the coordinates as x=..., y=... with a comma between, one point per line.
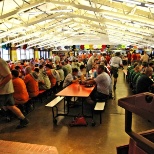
x=143, y=106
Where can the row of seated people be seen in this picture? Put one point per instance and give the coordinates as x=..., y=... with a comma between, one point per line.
x=41, y=78
x=140, y=77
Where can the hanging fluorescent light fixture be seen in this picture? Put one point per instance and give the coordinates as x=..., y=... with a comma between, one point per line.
x=116, y=18
x=33, y=12
x=29, y=7
x=143, y=24
x=149, y=5
x=56, y=11
x=129, y=1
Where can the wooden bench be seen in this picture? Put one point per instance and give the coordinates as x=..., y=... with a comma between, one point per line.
x=100, y=107
x=53, y=104
x=125, y=74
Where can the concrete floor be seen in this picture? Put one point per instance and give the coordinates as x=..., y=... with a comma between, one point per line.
x=101, y=139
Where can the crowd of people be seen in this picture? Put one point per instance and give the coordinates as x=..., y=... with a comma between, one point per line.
x=140, y=75
x=23, y=80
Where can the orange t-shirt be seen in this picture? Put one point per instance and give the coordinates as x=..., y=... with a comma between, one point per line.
x=31, y=85
x=51, y=78
x=20, y=92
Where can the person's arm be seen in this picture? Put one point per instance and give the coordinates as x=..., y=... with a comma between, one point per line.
x=92, y=81
x=76, y=80
x=5, y=80
x=82, y=77
x=141, y=59
x=121, y=64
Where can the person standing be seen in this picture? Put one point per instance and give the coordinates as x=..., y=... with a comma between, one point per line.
x=115, y=63
x=129, y=56
x=134, y=57
x=145, y=57
x=6, y=93
x=91, y=62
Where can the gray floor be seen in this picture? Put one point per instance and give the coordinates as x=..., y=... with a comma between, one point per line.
x=101, y=139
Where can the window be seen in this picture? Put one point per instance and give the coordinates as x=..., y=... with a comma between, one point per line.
x=6, y=54
x=18, y=54
x=29, y=53
x=23, y=53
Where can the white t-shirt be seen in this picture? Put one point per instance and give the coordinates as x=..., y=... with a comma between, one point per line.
x=4, y=71
x=68, y=80
x=115, y=61
x=103, y=82
x=91, y=60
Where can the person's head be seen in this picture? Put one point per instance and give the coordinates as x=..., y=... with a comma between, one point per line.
x=100, y=69
x=28, y=70
x=15, y=73
x=36, y=70
x=36, y=65
x=18, y=68
x=48, y=67
x=135, y=64
x=40, y=66
x=95, y=54
x=58, y=67
x=75, y=71
x=137, y=68
x=96, y=60
x=151, y=64
x=145, y=64
x=65, y=61
x=149, y=71
x=117, y=54
x=82, y=67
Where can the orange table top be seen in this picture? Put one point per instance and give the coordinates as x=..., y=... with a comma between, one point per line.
x=76, y=90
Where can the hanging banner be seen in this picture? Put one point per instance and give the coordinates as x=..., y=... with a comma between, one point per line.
x=36, y=52
x=123, y=46
x=86, y=46
x=99, y=46
x=94, y=46
x=14, y=54
x=77, y=46
x=91, y=46
x=82, y=47
x=50, y=54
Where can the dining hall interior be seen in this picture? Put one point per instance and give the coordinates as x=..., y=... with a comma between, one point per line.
x=71, y=43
